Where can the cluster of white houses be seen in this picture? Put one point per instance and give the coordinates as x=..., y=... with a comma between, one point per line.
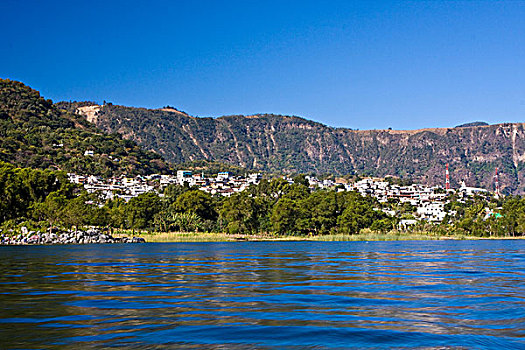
x=126, y=188
x=429, y=201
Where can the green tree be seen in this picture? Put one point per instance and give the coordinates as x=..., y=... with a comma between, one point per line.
x=75, y=212
x=198, y=202
x=173, y=191
x=321, y=210
x=141, y=210
x=513, y=210
x=241, y=212
x=51, y=209
x=301, y=180
x=116, y=210
x=285, y=215
x=357, y=215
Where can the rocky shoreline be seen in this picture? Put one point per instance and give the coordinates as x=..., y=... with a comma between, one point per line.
x=90, y=236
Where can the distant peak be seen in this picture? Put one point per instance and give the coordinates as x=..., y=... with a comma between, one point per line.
x=466, y=125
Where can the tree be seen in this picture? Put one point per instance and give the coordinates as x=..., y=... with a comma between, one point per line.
x=117, y=213
x=321, y=209
x=513, y=210
x=141, y=210
x=51, y=209
x=285, y=215
x=241, y=213
x=296, y=192
x=198, y=202
x=173, y=191
x=301, y=179
x=75, y=212
x=357, y=215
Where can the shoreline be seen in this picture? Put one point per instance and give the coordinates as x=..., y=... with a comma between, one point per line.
x=97, y=236
x=192, y=237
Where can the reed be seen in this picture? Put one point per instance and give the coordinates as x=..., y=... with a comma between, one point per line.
x=164, y=237
x=377, y=236
x=365, y=235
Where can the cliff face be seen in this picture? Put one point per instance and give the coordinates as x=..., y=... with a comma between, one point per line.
x=292, y=144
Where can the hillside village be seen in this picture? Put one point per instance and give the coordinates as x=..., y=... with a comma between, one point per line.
x=428, y=201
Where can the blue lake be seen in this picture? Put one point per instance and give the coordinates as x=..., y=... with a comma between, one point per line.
x=265, y=295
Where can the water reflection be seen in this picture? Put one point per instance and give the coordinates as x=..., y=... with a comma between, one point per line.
x=257, y=295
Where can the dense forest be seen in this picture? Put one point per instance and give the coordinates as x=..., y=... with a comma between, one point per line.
x=39, y=199
x=35, y=133
x=284, y=144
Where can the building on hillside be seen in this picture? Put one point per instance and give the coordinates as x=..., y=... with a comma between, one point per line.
x=432, y=211
x=183, y=176
x=223, y=176
x=254, y=178
x=471, y=191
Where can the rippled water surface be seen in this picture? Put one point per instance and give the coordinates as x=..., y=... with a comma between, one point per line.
x=265, y=295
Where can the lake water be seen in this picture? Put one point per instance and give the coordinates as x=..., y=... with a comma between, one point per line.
x=265, y=295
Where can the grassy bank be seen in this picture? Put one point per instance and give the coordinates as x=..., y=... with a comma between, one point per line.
x=164, y=237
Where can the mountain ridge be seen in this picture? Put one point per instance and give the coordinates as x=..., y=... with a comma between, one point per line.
x=474, y=124
x=291, y=144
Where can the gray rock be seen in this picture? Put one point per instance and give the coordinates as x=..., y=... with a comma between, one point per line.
x=55, y=236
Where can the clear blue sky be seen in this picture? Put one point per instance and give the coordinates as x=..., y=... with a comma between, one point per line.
x=366, y=65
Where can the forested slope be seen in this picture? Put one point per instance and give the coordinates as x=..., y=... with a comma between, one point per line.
x=35, y=133
x=292, y=144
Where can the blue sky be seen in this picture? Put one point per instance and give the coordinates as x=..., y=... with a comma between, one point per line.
x=364, y=65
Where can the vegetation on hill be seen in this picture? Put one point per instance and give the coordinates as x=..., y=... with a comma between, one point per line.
x=30, y=194
x=39, y=199
x=35, y=133
x=282, y=144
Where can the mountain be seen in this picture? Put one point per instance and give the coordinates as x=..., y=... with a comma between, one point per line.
x=88, y=138
x=291, y=144
x=35, y=133
x=467, y=125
